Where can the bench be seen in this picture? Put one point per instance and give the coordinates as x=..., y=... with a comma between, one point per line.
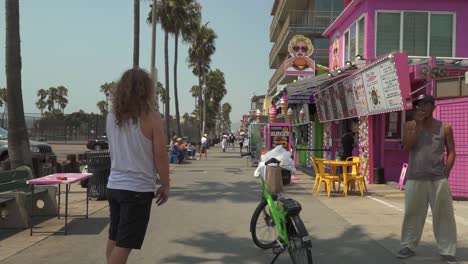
x=16, y=199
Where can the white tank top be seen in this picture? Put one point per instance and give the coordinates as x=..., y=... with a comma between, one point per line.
x=132, y=159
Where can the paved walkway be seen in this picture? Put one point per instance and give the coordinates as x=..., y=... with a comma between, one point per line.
x=207, y=221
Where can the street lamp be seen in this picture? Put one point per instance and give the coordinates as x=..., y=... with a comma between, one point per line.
x=204, y=108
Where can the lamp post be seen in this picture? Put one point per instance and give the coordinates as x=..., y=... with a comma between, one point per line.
x=204, y=108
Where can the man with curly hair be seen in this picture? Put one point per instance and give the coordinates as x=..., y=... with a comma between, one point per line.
x=137, y=145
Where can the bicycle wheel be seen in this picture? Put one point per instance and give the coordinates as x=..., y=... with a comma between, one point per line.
x=300, y=246
x=262, y=227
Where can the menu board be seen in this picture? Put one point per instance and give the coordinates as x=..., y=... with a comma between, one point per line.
x=390, y=85
x=279, y=135
x=375, y=90
x=349, y=97
x=360, y=96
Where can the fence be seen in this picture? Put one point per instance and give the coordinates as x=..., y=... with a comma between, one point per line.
x=64, y=130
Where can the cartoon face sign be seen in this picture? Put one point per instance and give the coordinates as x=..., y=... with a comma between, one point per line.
x=336, y=47
x=300, y=47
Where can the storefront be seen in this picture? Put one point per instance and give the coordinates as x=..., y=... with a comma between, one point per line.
x=362, y=102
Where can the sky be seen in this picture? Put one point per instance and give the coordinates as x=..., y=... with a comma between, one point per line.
x=84, y=44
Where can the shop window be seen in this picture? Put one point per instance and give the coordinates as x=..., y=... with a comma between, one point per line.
x=346, y=46
x=393, y=125
x=360, y=46
x=415, y=29
x=441, y=35
x=388, y=33
x=424, y=33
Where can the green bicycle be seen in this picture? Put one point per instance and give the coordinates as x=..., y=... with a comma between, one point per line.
x=276, y=224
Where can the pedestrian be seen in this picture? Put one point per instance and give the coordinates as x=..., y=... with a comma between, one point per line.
x=427, y=139
x=347, y=141
x=224, y=142
x=137, y=145
x=204, y=146
x=241, y=143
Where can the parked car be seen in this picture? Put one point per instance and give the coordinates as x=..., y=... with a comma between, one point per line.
x=99, y=143
x=39, y=150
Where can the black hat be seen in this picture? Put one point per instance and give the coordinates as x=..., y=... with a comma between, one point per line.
x=425, y=98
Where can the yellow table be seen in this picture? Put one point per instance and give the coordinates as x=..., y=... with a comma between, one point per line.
x=344, y=164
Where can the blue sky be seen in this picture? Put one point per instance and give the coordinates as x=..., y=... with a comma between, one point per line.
x=83, y=44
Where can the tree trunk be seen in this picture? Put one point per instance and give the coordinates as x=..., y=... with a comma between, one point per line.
x=136, y=33
x=18, y=142
x=166, y=106
x=176, y=96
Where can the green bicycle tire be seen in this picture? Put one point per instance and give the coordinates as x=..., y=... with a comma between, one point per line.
x=300, y=246
x=261, y=210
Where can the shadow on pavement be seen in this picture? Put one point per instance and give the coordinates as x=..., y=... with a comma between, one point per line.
x=212, y=191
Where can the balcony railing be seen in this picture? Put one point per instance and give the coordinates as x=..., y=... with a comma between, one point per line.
x=276, y=18
x=305, y=21
x=276, y=77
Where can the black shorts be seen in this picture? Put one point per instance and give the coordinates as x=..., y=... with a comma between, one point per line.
x=129, y=217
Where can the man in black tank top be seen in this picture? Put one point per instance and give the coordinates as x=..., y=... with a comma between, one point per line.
x=427, y=139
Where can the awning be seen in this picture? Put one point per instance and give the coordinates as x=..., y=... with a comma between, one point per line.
x=312, y=85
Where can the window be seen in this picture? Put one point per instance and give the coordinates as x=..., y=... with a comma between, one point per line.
x=361, y=25
x=388, y=33
x=346, y=46
x=354, y=41
x=415, y=29
x=422, y=34
x=441, y=35
x=328, y=5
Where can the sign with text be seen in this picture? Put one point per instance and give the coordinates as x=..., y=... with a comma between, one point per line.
x=279, y=135
x=377, y=89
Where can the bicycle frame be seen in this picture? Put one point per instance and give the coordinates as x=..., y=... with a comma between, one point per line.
x=277, y=213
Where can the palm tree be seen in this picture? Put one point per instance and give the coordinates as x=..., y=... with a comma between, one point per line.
x=62, y=101
x=203, y=47
x=195, y=91
x=41, y=102
x=136, y=33
x=52, y=98
x=18, y=142
x=103, y=107
x=163, y=16
x=162, y=92
x=186, y=16
x=227, y=108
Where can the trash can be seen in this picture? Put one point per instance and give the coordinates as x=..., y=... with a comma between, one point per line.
x=379, y=177
x=99, y=165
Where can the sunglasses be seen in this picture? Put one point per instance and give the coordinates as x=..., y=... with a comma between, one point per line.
x=300, y=48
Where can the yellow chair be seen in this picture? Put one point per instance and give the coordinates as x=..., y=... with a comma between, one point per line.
x=360, y=177
x=322, y=176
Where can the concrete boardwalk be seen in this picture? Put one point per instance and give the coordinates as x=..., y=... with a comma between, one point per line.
x=206, y=220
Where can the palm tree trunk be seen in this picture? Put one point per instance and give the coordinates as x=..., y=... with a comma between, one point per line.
x=176, y=96
x=136, y=33
x=18, y=142
x=166, y=66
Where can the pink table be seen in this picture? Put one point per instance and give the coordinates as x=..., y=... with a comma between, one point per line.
x=52, y=179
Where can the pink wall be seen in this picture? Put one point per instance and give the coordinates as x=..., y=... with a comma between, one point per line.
x=369, y=8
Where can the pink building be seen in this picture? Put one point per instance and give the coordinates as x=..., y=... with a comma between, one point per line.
x=428, y=41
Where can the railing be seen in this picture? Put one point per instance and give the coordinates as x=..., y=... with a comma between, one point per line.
x=276, y=77
x=277, y=15
x=308, y=21
x=279, y=40
x=315, y=21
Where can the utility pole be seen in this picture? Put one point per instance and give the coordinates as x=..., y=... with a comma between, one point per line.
x=204, y=108
x=154, y=71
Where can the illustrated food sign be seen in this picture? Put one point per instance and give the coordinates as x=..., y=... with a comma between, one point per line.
x=373, y=91
x=279, y=135
x=298, y=63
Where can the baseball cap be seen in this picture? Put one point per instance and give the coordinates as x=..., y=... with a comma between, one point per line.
x=425, y=98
